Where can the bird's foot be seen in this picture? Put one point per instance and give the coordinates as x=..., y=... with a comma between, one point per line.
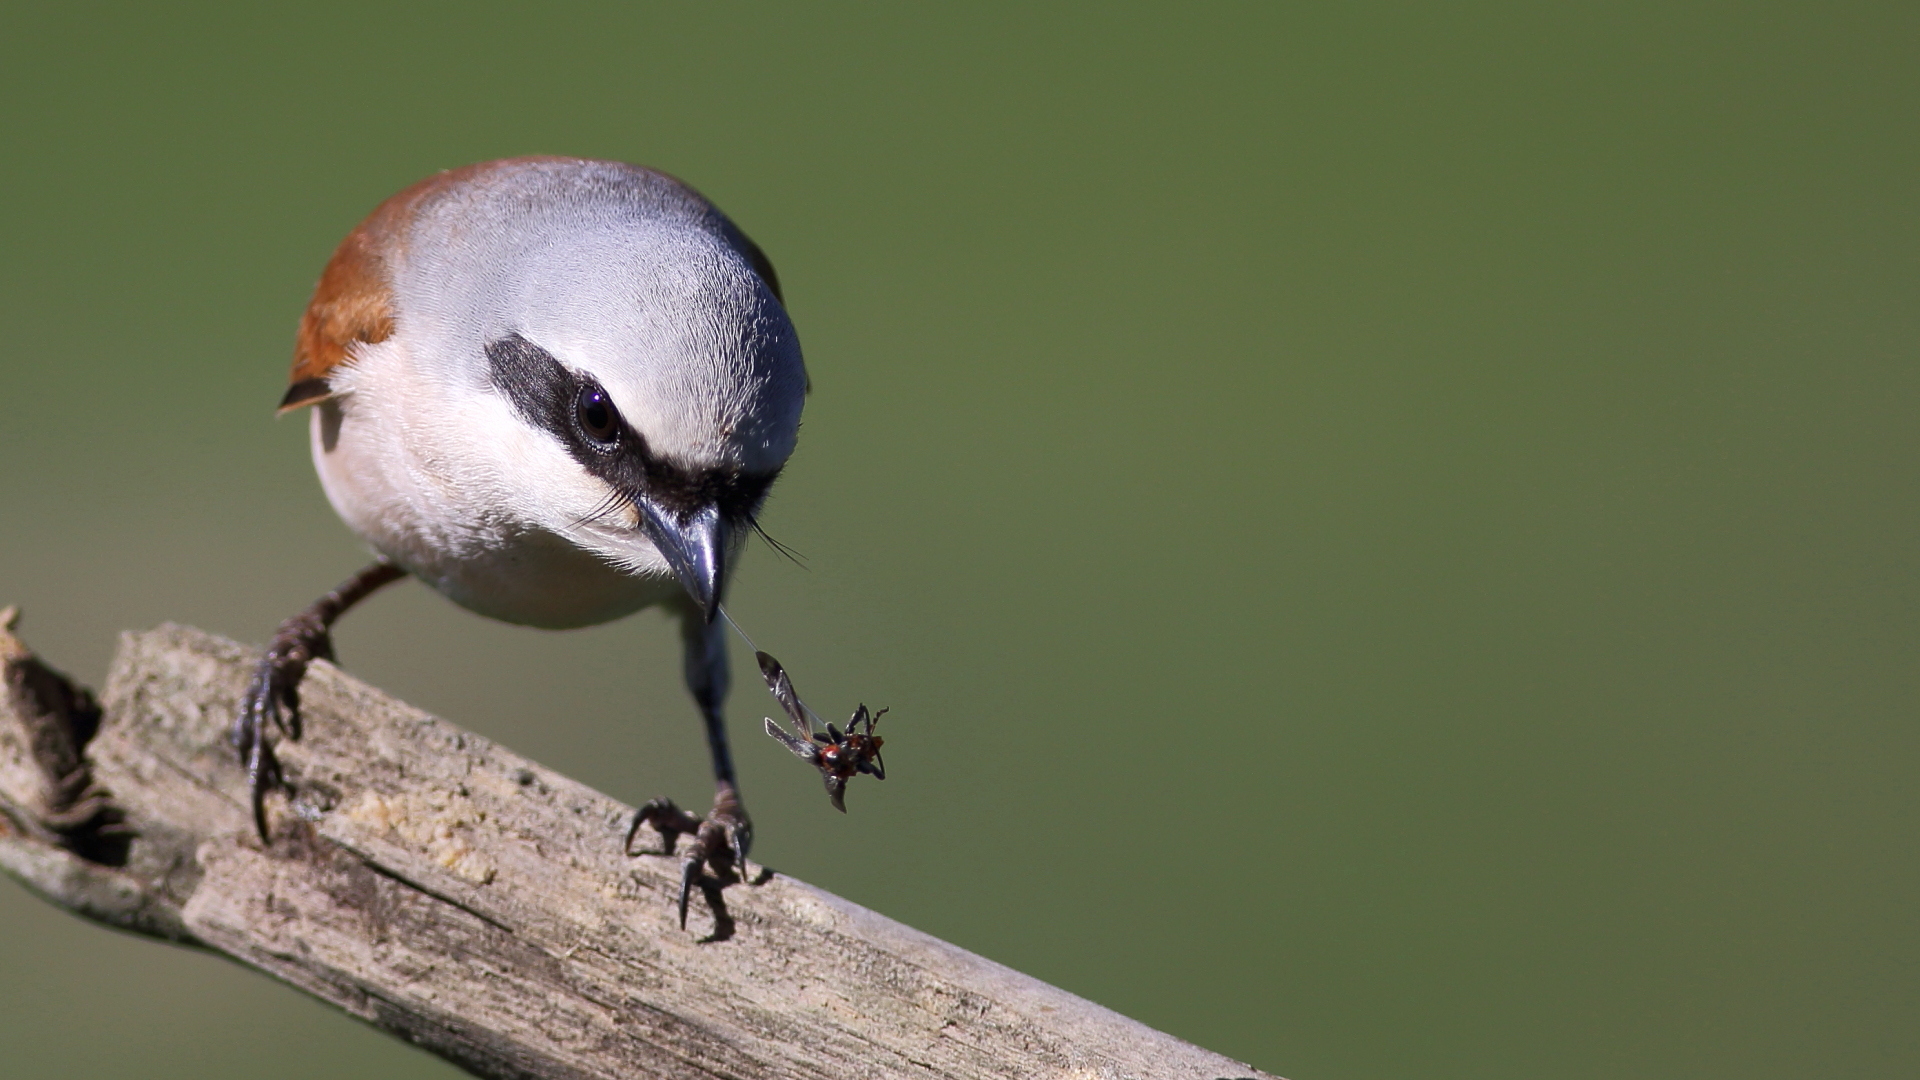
x=720, y=841
x=273, y=700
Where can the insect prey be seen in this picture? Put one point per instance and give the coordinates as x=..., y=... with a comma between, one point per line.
x=838, y=755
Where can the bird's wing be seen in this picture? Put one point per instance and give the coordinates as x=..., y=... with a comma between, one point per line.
x=353, y=302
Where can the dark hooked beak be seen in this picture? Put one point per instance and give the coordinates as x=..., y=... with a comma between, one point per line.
x=695, y=547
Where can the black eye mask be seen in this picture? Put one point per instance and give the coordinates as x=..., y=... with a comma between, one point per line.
x=574, y=408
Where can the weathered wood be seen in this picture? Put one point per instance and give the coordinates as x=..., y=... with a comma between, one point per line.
x=441, y=887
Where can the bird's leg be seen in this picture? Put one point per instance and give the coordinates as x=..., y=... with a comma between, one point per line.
x=708, y=679
x=723, y=837
x=273, y=696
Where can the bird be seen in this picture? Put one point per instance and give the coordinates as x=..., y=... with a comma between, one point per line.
x=557, y=391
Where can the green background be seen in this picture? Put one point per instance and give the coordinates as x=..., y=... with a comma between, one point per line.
x=1389, y=533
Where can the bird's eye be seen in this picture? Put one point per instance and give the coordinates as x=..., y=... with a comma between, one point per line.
x=597, y=416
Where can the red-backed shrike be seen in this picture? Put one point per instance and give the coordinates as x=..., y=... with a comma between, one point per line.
x=557, y=391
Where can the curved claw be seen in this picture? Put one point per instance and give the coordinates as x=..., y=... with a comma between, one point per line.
x=262, y=771
x=721, y=841
x=740, y=838
x=273, y=694
x=270, y=701
x=689, y=873
x=667, y=819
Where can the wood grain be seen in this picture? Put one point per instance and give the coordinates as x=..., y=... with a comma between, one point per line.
x=442, y=887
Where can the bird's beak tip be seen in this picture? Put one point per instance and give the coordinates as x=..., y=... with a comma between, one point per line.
x=696, y=549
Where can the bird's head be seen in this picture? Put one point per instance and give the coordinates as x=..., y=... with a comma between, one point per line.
x=614, y=354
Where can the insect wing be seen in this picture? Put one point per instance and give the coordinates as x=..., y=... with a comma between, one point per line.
x=805, y=751
x=780, y=685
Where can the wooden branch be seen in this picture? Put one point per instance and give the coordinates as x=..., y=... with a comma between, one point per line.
x=435, y=884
